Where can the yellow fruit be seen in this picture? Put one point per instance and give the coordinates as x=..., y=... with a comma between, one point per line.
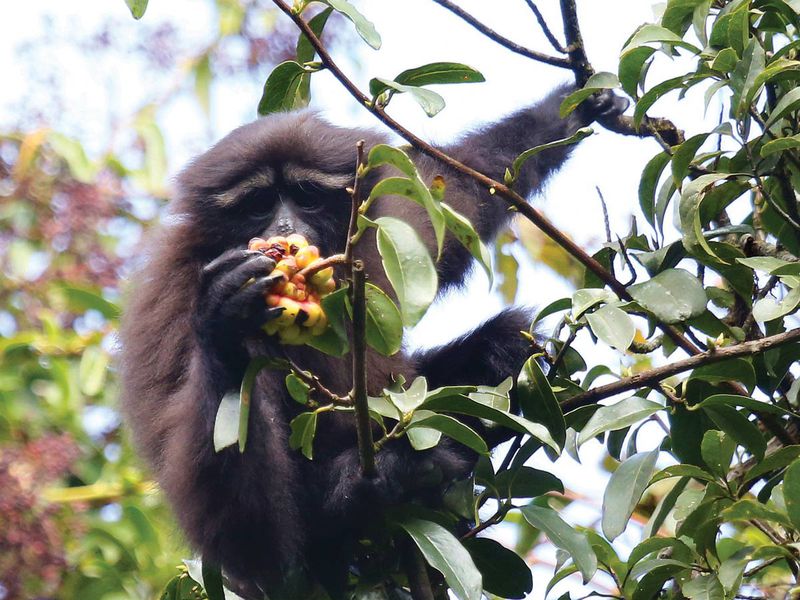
x=257, y=244
x=290, y=334
x=288, y=266
x=289, y=315
x=321, y=325
x=306, y=256
x=273, y=299
x=271, y=328
x=296, y=240
x=313, y=312
x=319, y=278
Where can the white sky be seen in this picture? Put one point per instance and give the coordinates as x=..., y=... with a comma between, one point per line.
x=414, y=32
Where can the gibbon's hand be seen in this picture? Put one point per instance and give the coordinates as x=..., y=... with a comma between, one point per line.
x=602, y=105
x=231, y=303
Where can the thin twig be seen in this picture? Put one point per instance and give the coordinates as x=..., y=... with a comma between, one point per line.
x=318, y=265
x=555, y=61
x=557, y=46
x=651, y=376
x=366, y=448
x=417, y=572
x=355, y=196
x=578, y=61
x=314, y=382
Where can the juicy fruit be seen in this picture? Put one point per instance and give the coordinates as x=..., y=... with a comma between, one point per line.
x=302, y=317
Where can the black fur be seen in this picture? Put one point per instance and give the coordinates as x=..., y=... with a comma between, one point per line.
x=189, y=331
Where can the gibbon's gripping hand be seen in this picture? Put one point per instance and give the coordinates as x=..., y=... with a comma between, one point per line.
x=231, y=302
x=602, y=105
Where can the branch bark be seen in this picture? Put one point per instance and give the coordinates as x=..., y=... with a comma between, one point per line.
x=366, y=448
x=555, y=61
x=652, y=376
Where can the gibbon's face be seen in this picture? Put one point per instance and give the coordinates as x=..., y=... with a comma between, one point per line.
x=279, y=175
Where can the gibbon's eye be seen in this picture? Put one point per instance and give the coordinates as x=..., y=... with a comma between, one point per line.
x=310, y=197
x=258, y=204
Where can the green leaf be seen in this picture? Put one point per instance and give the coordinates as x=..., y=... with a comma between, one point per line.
x=516, y=167
x=736, y=369
x=624, y=490
x=365, y=28
x=788, y=103
x=633, y=65
x=657, y=91
x=408, y=266
x=648, y=184
x=692, y=196
x=717, y=450
x=780, y=145
x=504, y=573
x=596, y=83
x=791, y=493
x=613, y=326
x=212, y=581
x=684, y=155
x=280, y=88
x=453, y=428
x=71, y=150
x=80, y=299
x=431, y=102
x=656, y=544
x=777, y=69
x=439, y=72
x=774, y=462
x=749, y=403
x=563, y=536
x=305, y=51
x=137, y=8
x=462, y=230
x=703, y=587
x=303, y=426
x=422, y=438
x=226, y=423
x=447, y=555
x=744, y=76
x=334, y=340
x=617, y=416
x=409, y=400
x=682, y=471
x=738, y=427
x=527, y=482
x=538, y=402
x=246, y=391
x=746, y=510
x=586, y=298
x=384, y=323
x=649, y=34
x=769, y=309
x=92, y=370
x=672, y=296
x=413, y=189
x=467, y=406
x=297, y=388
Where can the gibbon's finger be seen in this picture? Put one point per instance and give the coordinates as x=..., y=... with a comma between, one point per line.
x=226, y=261
x=228, y=283
x=262, y=316
x=248, y=300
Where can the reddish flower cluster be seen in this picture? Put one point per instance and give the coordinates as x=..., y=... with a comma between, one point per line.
x=32, y=558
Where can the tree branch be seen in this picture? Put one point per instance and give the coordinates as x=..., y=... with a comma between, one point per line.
x=555, y=61
x=366, y=448
x=557, y=46
x=651, y=376
x=510, y=196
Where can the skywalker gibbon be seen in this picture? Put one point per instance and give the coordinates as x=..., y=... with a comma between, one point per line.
x=192, y=325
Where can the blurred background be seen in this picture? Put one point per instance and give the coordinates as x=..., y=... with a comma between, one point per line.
x=98, y=112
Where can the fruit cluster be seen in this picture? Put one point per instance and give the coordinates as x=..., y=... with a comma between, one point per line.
x=302, y=317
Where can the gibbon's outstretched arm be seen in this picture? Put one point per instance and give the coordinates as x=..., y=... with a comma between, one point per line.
x=491, y=149
x=191, y=326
